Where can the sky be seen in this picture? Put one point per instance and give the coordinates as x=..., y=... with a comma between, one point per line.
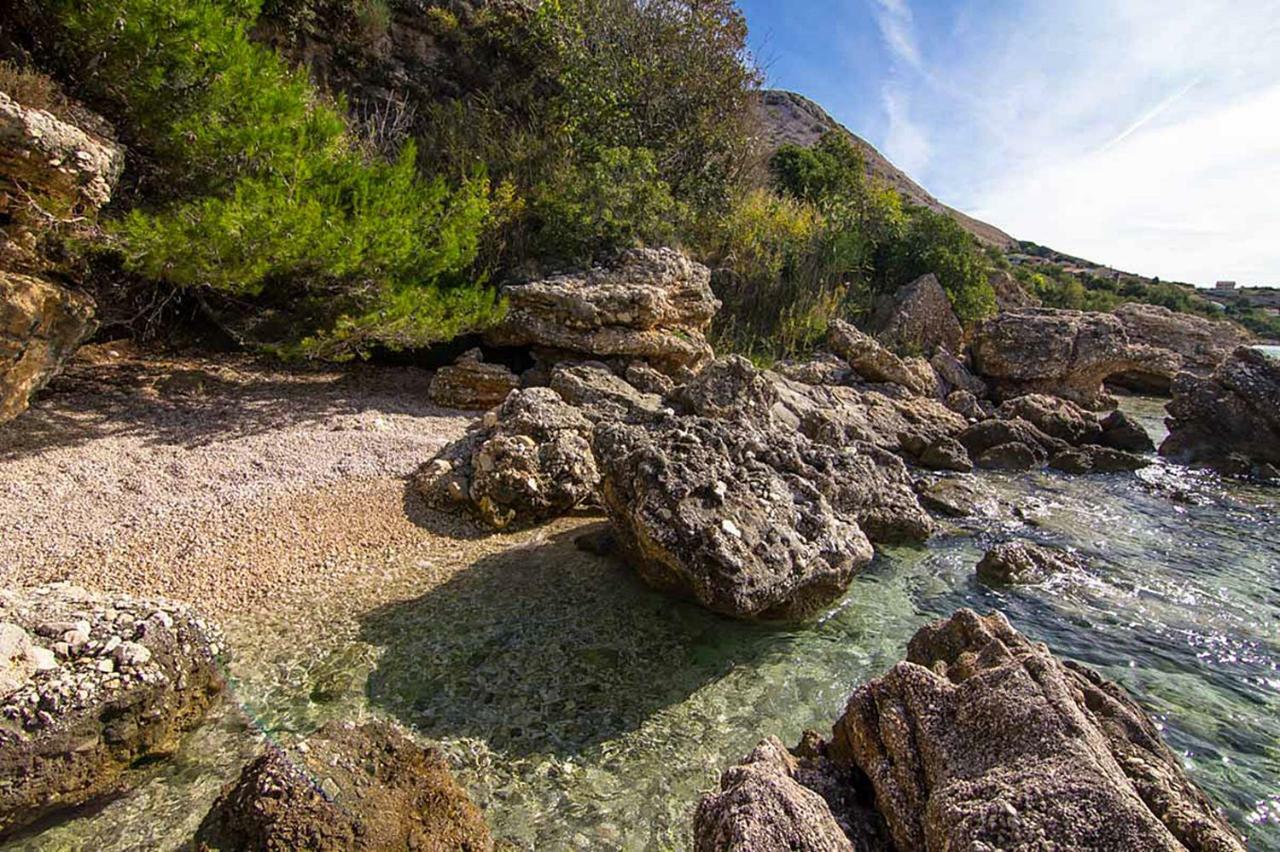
x=1143, y=134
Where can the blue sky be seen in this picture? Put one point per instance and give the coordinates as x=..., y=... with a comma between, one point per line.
x=1140, y=133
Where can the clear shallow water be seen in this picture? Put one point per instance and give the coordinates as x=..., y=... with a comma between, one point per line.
x=584, y=711
x=1272, y=351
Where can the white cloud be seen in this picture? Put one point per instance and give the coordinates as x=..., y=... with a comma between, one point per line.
x=895, y=21
x=906, y=143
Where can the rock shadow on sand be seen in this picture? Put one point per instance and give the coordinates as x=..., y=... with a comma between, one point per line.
x=545, y=649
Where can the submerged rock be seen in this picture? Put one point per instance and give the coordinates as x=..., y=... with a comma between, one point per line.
x=652, y=305
x=704, y=508
x=351, y=788
x=980, y=740
x=1061, y=353
x=103, y=683
x=984, y=740
x=1230, y=421
x=1018, y=562
x=527, y=462
x=472, y=385
x=1122, y=432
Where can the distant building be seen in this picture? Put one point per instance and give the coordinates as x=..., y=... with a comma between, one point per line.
x=1225, y=285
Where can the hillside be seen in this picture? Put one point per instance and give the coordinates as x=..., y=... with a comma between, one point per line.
x=789, y=118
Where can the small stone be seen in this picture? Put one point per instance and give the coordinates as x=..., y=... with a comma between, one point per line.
x=42, y=658
x=132, y=654
x=106, y=666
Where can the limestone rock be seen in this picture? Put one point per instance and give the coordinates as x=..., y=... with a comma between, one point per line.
x=1060, y=353
x=823, y=368
x=955, y=497
x=17, y=665
x=956, y=375
x=729, y=388
x=984, y=740
x=701, y=510
x=41, y=324
x=1017, y=562
x=986, y=436
x=1122, y=432
x=919, y=318
x=869, y=359
x=86, y=711
x=53, y=160
x=762, y=806
x=1010, y=294
x=1054, y=416
x=1201, y=343
x=946, y=453
x=1231, y=420
x=472, y=385
x=1080, y=460
x=352, y=788
x=527, y=462
x=600, y=394
x=651, y=304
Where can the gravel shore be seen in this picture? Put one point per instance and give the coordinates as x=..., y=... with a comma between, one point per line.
x=222, y=481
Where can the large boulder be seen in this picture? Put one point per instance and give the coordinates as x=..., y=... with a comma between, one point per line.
x=700, y=511
x=871, y=360
x=1201, y=343
x=601, y=394
x=472, y=385
x=41, y=325
x=919, y=318
x=984, y=740
x=525, y=463
x=1010, y=295
x=350, y=788
x=1061, y=353
x=108, y=682
x=1057, y=417
x=652, y=305
x=1231, y=420
x=762, y=805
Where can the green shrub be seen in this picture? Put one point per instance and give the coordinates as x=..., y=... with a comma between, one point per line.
x=268, y=191
x=934, y=242
x=832, y=167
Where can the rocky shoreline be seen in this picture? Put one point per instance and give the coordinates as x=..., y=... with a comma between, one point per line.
x=756, y=493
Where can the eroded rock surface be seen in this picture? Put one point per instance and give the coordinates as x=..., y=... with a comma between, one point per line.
x=652, y=305
x=41, y=324
x=721, y=512
x=472, y=385
x=108, y=681
x=1231, y=420
x=871, y=360
x=919, y=318
x=1201, y=343
x=527, y=462
x=1061, y=353
x=984, y=740
x=1018, y=562
x=352, y=788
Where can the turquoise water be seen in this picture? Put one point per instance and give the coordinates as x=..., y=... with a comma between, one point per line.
x=1272, y=351
x=586, y=712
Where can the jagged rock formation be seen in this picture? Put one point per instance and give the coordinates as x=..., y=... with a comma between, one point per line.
x=1202, y=344
x=1018, y=562
x=789, y=118
x=1231, y=420
x=525, y=463
x=919, y=318
x=351, y=788
x=1062, y=353
x=51, y=173
x=982, y=739
x=728, y=515
x=870, y=360
x=472, y=385
x=600, y=393
x=955, y=375
x=1010, y=295
x=41, y=325
x=651, y=305
x=107, y=681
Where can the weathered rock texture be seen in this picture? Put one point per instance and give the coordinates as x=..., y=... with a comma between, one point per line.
x=41, y=324
x=984, y=740
x=919, y=318
x=1010, y=295
x=762, y=806
x=728, y=515
x=1231, y=420
x=1201, y=343
x=651, y=305
x=527, y=462
x=111, y=681
x=1061, y=353
x=1016, y=562
x=353, y=788
x=869, y=359
x=471, y=384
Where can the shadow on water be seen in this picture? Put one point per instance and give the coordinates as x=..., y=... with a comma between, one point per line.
x=546, y=649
